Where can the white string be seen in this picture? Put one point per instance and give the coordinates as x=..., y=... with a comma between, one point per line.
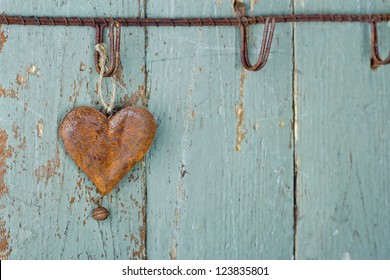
x=102, y=49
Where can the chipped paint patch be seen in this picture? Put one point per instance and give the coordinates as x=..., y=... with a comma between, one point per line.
x=253, y=3
x=40, y=128
x=141, y=252
x=5, y=153
x=3, y=40
x=23, y=144
x=5, y=249
x=281, y=123
x=20, y=80
x=77, y=85
x=119, y=76
x=173, y=252
x=22, y=83
x=302, y=3
x=11, y=93
x=132, y=99
x=48, y=170
x=33, y=70
x=82, y=66
x=240, y=112
x=15, y=129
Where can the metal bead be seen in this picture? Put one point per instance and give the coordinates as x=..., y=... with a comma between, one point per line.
x=100, y=213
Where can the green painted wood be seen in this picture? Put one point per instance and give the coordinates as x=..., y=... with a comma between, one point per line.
x=206, y=200
x=343, y=136
x=218, y=183
x=45, y=200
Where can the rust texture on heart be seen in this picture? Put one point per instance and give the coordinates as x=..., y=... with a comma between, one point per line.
x=107, y=148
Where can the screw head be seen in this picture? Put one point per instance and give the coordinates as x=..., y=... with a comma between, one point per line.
x=100, y=213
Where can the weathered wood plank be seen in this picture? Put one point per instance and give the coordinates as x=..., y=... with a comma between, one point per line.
x=343, y=137
x=206, y=199
x=45, y=200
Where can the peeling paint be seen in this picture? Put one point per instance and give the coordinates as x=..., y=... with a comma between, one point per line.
x=82, y=66
x=173, y=252
x=253, y=3
x=23, y=144
x=134, y=239
x=142, y=231
x=5, y=153
x=240, y=112
x=40, y=128
x=176, y=216
x=281, y=123
x=20, y=80
x=76, y=91
x=5, y=250
x=11, y=93
x=33, y=70
x=22, y=83
x=15, y=129
x=134, y=98
x=3, y=40
x=48, y=170
x=79, y=183
x=233, y=2
x=119, y=76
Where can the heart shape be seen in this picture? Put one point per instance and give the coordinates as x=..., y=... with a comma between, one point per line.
x=107, y=148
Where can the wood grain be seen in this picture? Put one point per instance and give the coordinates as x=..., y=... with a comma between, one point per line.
x=220, y=179
x=343, y=137
x=206, y=199
x=46, y=213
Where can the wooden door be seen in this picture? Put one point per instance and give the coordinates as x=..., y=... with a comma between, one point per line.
x=287, y=163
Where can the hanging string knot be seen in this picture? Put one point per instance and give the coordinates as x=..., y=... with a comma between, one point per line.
x=107, y=107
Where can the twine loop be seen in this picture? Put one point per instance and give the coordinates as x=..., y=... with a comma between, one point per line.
x=103, y=58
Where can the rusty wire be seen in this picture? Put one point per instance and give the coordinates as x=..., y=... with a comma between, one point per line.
x=376, y=61
x=158, y=22
x=242, y=21
x=114, y=48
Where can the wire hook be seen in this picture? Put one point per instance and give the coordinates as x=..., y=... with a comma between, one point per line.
x=266, y=42
x=114, y=48
x=376, y=61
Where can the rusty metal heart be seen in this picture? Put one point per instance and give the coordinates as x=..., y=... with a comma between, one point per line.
x=107, y=148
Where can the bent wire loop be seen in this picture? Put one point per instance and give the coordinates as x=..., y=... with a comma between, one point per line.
x=376, y=61
x=114, y=48
x=265, y=46
x=268, y=34
x=241, y=20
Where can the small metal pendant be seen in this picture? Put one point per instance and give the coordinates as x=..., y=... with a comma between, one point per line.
x=100, y=213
